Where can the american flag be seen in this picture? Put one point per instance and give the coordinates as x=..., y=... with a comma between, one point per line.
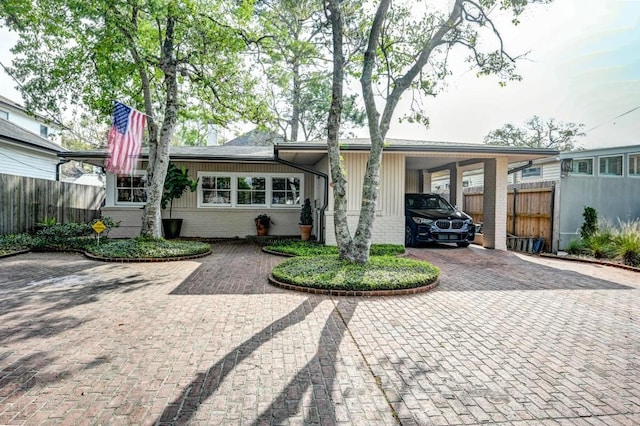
x=125, y=139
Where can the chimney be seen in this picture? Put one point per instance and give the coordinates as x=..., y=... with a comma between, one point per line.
x=212, y=134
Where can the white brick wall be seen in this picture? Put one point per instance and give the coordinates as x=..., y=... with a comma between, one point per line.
x=495, y=204
x=386, y=229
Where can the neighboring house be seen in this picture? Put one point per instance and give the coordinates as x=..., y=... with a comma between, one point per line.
x=35, y=123
x=23, y=153
x=607, y=179
x=256, y=137
x=236, y=183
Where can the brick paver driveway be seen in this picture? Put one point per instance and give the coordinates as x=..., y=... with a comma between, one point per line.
x=504, y=338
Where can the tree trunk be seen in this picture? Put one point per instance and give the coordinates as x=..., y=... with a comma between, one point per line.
x=343, y=236
x=295, y=103
x=159, y=151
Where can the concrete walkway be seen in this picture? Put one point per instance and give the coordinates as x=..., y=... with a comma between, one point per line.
x=504, y=339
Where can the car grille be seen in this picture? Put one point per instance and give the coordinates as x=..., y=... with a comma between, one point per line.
x=446, y=224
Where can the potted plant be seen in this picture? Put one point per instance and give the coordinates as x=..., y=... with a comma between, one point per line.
x=175, y=184
x=263, y=222
x=306, y=220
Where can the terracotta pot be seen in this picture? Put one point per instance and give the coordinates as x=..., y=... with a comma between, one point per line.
x=262, y=230
x=305, y=232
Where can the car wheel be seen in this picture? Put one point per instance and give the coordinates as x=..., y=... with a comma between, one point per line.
x=409, y=240
x=463, y=244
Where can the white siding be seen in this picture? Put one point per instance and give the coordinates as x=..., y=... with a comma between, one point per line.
x=215, y=222
x=18, y=161
x=32, y=124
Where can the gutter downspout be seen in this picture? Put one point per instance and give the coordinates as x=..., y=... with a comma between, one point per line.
x=517, y=169
x=58, y=169
x=321, y=228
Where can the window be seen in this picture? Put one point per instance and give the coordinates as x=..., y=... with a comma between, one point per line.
x=532, y=172
x=285, y=190
x=216, y=190
x=248, y=190
x=582, y=166
x=634, y=164
x=611, y=166
x=4, y=114
x=130, y=189
x=251, y=190
x=44, y=131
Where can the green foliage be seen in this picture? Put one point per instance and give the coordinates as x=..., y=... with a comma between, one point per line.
x=380, y=273
x=309, y=248
x=627, y=243
x=306, y=213
x=538, y=133
x=144, y=248
x=64, y=236
x=622, y=243
x=47, y=221
x=263, y=220
x=590, y=225
x=16, y=242
x=175, y=184
x=577, y=247
x=600, y=245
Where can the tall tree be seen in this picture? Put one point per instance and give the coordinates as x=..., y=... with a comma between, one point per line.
x=538, y=133
x=409, y=50
x=295, y=63
x=159, y=56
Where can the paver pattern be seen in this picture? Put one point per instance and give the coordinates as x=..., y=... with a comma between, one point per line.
x=504, y=338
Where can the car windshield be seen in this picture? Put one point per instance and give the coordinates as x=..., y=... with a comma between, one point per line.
x=427, y=202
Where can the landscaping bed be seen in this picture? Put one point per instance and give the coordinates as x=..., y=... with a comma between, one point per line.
x=315, y=266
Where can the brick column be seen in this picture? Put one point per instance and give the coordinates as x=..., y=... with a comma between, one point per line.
x=495, y=203
x=455, y=186
x=426, y=182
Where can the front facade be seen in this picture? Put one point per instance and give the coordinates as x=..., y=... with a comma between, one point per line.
x=235, y=184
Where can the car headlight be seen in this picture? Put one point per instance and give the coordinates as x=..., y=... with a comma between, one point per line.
x=422, y=221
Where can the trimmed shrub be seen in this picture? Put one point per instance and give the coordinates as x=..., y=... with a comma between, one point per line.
x=590, y=225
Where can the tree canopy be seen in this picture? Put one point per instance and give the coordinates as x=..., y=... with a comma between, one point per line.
x=162, y=57
x=538, y=133
x=407, y=49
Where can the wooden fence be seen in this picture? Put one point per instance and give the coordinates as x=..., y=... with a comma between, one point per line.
x=26, y=201
x=533, y=204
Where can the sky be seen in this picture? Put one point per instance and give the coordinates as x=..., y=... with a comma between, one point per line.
x=583, y=66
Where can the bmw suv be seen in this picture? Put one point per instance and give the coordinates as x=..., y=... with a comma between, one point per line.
x=430, y=218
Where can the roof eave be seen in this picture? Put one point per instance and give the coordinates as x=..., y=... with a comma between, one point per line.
x=488, y=149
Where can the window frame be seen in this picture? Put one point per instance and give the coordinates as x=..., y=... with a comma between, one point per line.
x=610, y=175
x=575, y=160
x=200, y=199
x=116, y=202
x=44, y=131
x=5, y=113
x=234, y=190
x=538, y=175
x=635, y=175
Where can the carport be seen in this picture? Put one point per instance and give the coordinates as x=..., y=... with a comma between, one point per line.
x=407, y=166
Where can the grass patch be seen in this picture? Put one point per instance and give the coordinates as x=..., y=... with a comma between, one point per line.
x=306, y=248
x=380, y=273
x=146, y=248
